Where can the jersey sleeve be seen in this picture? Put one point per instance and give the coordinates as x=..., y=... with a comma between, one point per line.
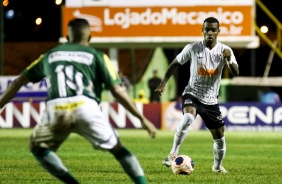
x=233, y=58
x=34, y=72
x=107, y=71
x=184, y=55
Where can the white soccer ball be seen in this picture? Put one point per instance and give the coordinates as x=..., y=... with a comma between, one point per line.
x=182, y=164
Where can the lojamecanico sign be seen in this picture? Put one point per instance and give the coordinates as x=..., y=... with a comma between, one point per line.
x=163, y=21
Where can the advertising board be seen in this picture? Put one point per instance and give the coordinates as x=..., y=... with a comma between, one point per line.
x=35, y=92
x=237, y=116
x=163, y=21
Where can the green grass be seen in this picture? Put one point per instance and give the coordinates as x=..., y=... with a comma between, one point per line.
x=252, y=157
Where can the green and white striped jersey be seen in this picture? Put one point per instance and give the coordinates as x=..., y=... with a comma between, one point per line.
x=73, y=69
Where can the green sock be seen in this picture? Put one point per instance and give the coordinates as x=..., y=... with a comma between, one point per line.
x=53, y=164
x=131, y=166
x=67, y=178
x=139, y=180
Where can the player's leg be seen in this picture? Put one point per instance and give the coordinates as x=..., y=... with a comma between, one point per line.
x=179, y=136
x=45, y=140
x=53, y=164
x=219, y=149
x=102, y=136
x=97, y=130
x=129, y=163
x=189, y=113
x=214, y=122
x=182, y=130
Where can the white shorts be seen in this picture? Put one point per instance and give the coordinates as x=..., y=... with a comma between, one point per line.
x=78, y=114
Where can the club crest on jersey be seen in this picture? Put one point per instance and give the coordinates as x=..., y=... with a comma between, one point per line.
x=217, y=58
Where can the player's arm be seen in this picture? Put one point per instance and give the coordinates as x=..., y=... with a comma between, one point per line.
x=123, y=98
x=112, y=82
x=229, y=57
x=171, y=69
x=33, y=73
x=13, y=89
x=233, y=68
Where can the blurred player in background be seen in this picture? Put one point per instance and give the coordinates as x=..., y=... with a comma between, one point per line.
x=141, y=97
x=207, y=59
x=77, y=73
x=125, y=82
x=153, y=84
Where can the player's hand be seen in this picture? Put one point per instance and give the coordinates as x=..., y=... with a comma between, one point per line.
x=150, y=127
x=227, y=54
x=160, y=89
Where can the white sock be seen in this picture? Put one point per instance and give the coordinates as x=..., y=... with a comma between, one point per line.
x=219, y=150
x=181, y=132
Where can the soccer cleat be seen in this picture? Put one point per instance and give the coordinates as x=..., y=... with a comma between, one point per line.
x=168, y=160
x=220, y=170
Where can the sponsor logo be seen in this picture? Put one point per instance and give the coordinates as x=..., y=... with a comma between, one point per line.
x=219, y=117
x=188, y=101
x=250, y=115
x=203, y=71
x=79, y=57
x=132, y=18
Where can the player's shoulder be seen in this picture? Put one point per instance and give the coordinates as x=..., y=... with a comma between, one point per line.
x=194, y=45
x=222, y=45
x=97, y=51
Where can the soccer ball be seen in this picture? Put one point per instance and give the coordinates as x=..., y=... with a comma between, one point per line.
x=182, y=164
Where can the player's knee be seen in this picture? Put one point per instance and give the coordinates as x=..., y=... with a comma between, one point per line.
x=217, y=133
x=121, y=152
x=116, y=148
x=188, y=119
x=37, y=151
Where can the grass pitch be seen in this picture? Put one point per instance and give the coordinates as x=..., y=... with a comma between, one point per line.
x=252, y=157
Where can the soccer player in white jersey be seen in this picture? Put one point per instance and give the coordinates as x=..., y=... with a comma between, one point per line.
x=207, y=59
x=77, y=74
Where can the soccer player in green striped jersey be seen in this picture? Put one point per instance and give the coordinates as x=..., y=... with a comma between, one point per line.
x=77, y=74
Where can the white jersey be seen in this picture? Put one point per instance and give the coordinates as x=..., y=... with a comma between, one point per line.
x=205, y=70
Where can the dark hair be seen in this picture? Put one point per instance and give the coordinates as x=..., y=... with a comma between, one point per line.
x=211, y=20
x=78, y=23
x=77, y=26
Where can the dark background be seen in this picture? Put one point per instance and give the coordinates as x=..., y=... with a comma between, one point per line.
x=23, y=29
